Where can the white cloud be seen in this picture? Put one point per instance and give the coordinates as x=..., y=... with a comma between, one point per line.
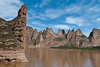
x=9, y=9
x=98, y=19
x=48, y=13
x=38, y=23
x=62, y=27
x=36, y=5
x=95, y=8
x=44, y=2
x=54, y=13
x=73, y=9
x=75, y=20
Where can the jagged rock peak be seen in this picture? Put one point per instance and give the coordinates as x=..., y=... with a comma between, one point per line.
x=63, y=31
x=96, y=29
x=40, y=32
x=48, y=30
x=44, y=31
x=78, y=32
x=60, y=32
x=22, y=11
x=69, y=31
x=29, y=28
x=35, y=30
x=94, y=37
x=73, y=30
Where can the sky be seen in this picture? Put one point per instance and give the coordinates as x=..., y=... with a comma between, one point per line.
x=56, y=14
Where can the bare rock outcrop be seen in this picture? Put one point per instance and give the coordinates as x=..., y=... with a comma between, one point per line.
x=31, y=36
x=49, y=33
x=61, y=33
x=19, y=25
x=94, y=37
x=13, y=37
x=73, y=38
x=78, y=32
x=14, y=30
x=12, y=57
x=39, y=38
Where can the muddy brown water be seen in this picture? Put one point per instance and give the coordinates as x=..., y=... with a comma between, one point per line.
x=46, y=57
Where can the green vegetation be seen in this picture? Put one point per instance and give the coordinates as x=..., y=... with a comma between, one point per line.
x=6, y=36
x=69, y=47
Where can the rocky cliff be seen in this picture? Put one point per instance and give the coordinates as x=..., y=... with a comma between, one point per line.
x=73, y=38
x=13, y=33
x=13, y=37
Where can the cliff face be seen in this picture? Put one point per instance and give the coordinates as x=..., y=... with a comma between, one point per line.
x=13, y=37
x=13, y=33
x=94, y=37
x=73, y=38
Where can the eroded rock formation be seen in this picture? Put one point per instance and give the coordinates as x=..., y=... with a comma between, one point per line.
x=13, y=37
x=16, y=28
x=94, y=37
x=73, y=38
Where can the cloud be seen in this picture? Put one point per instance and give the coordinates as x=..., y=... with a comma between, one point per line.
x=73, y=9
x=98, y=19
x=36, y=5
x=44, y=2
x=38, y=23
x=48, y=13
x=54, y=13
x=75, y=20
x=95, y=8
x=62, y=27
x=9, y=9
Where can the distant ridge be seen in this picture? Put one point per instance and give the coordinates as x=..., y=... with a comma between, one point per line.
x=73, y=38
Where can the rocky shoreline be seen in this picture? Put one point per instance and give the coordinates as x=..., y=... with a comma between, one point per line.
x=12, y=56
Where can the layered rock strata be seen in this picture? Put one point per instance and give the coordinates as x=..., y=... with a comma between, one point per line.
x=12, y=56
x=73, y=38
x=13, y=37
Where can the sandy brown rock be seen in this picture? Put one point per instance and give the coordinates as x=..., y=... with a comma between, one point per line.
x=94, y=37
x=13, y=37
x=78, y=32
x=31, y=36
x=12, y=56
x=49, y=33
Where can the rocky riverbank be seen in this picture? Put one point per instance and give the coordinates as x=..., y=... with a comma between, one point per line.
x=12, y=56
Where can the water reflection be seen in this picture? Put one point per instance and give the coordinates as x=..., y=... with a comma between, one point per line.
x=61, y=58
x=58, y=58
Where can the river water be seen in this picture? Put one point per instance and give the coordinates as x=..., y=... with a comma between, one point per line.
x=45, y=57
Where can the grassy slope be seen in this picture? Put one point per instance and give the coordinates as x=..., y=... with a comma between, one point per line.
x=68, y=47
x=10, y=36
